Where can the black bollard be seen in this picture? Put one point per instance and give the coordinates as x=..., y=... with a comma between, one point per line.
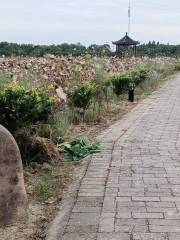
x=131, y=92
x=131, y=95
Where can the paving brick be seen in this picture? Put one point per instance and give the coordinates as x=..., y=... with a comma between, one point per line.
x=146, y=199
x=167, y=228
x=88, y=204
x=123, y=199
x=164, y=222
x=174, y=236
x=147, y=215
x=113, y=236
x=79, y=236
x=161, y=204
x=171, y=215
x=161, y=209
x=77, y=209
x=106, y=225
x=131, y=209
x=170, y=199
x=132, y=192
x=150, y=236
x=131, y=228
x=131, y=204
x=84, y=219
x=124, y=214
x=90, y=194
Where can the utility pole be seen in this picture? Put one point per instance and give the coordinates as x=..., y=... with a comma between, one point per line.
x=129, y=17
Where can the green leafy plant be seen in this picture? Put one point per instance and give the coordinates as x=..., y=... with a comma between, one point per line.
x=139, y=75
x=120, y=82
x=78, y=149
x=128, y=80
x=81, y=96
x=20, y=107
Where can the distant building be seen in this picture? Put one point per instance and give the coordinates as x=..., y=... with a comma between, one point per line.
x=126, y=43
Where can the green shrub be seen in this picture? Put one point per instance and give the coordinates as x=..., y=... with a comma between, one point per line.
x=124, y=81
x=177, y=66
x=120, y=82
x=140, y=75
x=20, y=107
x=81, y=96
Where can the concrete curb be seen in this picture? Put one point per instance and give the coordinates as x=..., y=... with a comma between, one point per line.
x=56, y=229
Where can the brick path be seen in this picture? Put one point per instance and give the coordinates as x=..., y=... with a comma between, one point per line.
x=131, y=190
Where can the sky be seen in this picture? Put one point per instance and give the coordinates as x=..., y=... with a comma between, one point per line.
x=88, y=21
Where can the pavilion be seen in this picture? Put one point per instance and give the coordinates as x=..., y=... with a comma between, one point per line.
x=126, y=42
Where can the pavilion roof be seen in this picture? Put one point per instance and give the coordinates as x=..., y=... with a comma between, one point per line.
x=126, y=40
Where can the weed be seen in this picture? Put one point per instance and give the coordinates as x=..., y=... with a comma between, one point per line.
x=43, y=190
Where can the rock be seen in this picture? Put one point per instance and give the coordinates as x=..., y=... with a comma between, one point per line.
x=61, y=94
x=51, y=200
x=13, y=199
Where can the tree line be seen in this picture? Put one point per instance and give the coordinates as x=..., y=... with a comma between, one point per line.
x=157, y=49
x=149, y=49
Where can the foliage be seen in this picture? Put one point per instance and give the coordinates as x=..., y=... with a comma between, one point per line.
x=151, y=49
x=79, y=149
x=128, y=80
x=99, y=50
x=139, y=75
x=154, y=49
x=177, y=66
x=120, y=82
x=4, y=80
x=65, y=49
x=81, y=96
x=20, y=107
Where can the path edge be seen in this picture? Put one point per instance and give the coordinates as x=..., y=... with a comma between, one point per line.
x=57, y=226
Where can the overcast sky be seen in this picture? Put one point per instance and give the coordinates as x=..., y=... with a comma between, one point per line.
x=88, y=21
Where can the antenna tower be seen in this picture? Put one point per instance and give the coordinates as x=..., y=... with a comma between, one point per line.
x=129, y=17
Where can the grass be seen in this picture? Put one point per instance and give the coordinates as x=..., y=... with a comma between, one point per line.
x=60, y=124
x=46, y=183
x=4, y=79
x=159, y=74
x=42, y=191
